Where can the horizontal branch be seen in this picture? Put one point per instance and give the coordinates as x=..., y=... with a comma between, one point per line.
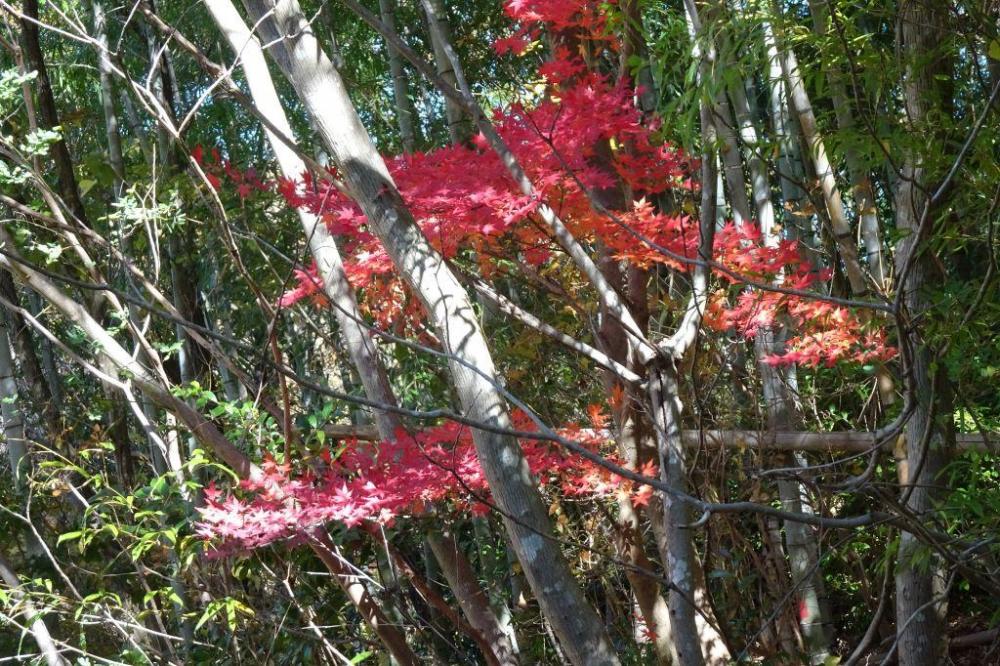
x=809, y=442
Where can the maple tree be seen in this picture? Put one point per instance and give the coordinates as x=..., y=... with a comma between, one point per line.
x=465, y=201
x=639, y=297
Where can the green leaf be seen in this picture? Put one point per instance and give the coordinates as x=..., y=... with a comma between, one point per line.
x=994, y=50
x=361, y=656
x=211, y=610
x=69, y=536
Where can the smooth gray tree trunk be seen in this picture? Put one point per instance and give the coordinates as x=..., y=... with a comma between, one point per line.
x=358, y=339
x=436, y=13
x=322, y=91
x=405, y=114
x=13, y=419
x=40, y=632
x=114, y=141
x=800, y=103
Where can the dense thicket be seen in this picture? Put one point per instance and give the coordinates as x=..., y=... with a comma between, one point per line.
x=537, y=331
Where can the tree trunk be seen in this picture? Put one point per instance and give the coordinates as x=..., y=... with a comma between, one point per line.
x=459, y=128
x=474, y=602
x=13, y=420
x=760, y=182
x=800, y=542
x=633, y=434
x=840, y=225
x=68, y=189
x=322, y=91
x=663, y=392
x=31, y=369
x=405, y=114
x=721, y=116
x=43, y=639
x=115, y=157
x=921, y=606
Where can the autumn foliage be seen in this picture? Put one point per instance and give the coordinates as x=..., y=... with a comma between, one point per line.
x=413, y=475
x=580, y=138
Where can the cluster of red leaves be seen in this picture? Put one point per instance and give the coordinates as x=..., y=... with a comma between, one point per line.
x=584, y=138
x=823, y=334
x=464, y=199
x=581, y=17
x=376, y=483
x=246, y=182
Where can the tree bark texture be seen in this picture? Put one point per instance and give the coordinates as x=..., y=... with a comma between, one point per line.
x=322, y=91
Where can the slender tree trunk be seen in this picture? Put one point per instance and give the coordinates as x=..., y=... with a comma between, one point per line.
x=633, y=434
x=359, y=342
x=663, y=390
x=114, y=140
x=664, y=398
x=13, y=419
x=840, y=224
x=49, y=116
x=30, y=367
x=721, y=116
x=405, y=115
x=474, y=602
x=43, y=639
x=459, y=128
x=117, y=414
x=322, y=91
x=800, y=542
x=181, y=252
x=760, y=182
x=391, y=635
x=135, y=126
x=921, y=606
x=791, y=172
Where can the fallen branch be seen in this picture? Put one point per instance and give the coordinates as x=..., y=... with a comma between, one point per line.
x=974, y=640
x=813, y=442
